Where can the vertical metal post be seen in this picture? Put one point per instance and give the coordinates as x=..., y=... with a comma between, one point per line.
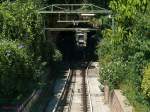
x=92, y=8
x=44, y=29
x=59, y=16
x=71, y=7
x=52, y=8
x=113, y=25
x=66, y=17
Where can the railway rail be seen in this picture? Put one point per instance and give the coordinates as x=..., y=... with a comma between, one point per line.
x=76, y=87
x=75, y=92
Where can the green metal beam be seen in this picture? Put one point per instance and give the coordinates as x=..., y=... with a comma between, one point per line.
x=73, y=21
x=75, y=12
x=71, y=29
x=73, y=9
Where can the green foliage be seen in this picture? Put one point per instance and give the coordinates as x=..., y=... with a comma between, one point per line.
x=18, y=17
x=20, y=26
x=127, y=10
x=124, y=54
x=146, y=82
x=113, y=73
x=137, y=100
x=57, y=55
x=16, y=69
x=113, y=68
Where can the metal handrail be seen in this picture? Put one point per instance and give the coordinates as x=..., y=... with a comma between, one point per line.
x=22, y=107
x=89, y=93
x=58, y=102
x=70, y=104
x=72, y=94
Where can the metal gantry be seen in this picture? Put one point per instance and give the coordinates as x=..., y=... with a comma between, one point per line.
x=73, y=9
x=73, y=13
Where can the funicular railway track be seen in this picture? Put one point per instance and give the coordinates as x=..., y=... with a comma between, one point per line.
x=75, y=96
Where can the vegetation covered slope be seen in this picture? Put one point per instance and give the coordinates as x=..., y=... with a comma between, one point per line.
x=125, y=55
x=24, y=52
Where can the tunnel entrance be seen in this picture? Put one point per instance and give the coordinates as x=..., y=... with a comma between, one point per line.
x=57, y=16
x=66, y=43
x=60, y=15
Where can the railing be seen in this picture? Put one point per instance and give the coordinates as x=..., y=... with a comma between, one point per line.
x=62, y=92
x=57, y=106
x=70, y=101
x=26, y=106
x=72, y=94
x=88, y=89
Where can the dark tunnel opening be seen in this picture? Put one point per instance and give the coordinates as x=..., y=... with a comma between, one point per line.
x=66, y=43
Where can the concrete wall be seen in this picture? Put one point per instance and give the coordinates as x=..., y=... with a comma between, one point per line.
x=117, y=101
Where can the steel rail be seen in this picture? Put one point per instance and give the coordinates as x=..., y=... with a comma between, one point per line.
x=84, y=91
x=88, y=88
x=72, y=93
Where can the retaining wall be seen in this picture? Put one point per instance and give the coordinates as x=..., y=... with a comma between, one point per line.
x=117, y=101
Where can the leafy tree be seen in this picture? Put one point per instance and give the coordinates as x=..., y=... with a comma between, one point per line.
x=17, y=71
x=21, y=26
x=130, y=47
x=146, y=82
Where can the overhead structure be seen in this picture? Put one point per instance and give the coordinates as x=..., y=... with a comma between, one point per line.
x=73, y=13
x=71, y=29
x=74, y=9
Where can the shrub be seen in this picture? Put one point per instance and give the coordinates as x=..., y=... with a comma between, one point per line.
x=124, y=54
x=113, y=72
x=57, y=55
x=16, y=69
x=146, y=81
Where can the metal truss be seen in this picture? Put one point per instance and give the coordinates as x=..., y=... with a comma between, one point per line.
x=83, y=12
x=73, y=9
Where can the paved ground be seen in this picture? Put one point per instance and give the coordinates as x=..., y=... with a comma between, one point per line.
x=77, y=100
x=97, y=95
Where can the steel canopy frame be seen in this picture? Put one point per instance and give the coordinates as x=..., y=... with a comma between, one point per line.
x=73, y=9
